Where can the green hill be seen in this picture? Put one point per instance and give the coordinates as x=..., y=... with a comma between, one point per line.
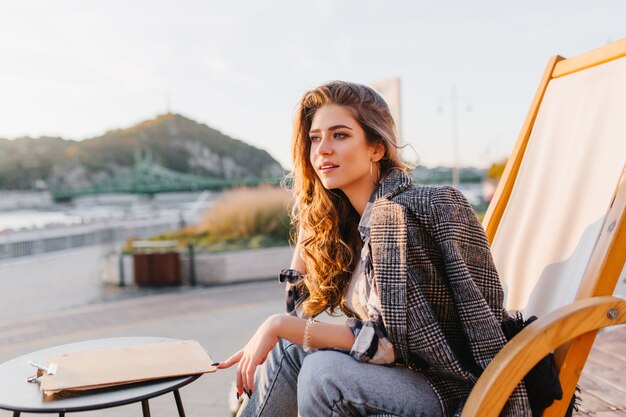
x=174, y=141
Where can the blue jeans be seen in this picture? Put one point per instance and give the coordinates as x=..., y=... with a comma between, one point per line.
x=329, y=383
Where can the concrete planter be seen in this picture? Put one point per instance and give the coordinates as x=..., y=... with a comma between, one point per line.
x=244, y=265
x=214, y=268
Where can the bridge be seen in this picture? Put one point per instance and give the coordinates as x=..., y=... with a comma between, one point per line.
x=149, y=179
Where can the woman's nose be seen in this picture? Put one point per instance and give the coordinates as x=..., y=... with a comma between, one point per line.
x=325, y=146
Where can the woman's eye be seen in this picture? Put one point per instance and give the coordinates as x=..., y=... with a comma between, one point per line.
x=314, y=138
x=339, y=135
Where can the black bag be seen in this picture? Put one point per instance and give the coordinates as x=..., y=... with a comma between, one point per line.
x=542, y=382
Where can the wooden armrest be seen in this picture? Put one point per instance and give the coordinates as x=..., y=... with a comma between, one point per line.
x=526, y=349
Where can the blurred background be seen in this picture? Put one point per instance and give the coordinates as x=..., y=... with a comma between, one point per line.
x=130, y=128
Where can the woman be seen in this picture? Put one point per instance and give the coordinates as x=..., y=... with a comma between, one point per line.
x=409, y=265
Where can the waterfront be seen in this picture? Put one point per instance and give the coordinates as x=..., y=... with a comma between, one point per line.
x=61, y=266
x=33, y=210
x=30, y=210
x=54, y=257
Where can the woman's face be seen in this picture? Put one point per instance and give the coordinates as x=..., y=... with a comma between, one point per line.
x=340, y=154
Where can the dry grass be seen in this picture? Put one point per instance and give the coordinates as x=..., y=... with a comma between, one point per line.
x=248, y=212
x=244, y=218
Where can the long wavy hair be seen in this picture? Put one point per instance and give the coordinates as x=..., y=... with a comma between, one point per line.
x=328, y=222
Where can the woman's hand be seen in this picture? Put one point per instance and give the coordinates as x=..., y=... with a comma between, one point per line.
x=253, y=354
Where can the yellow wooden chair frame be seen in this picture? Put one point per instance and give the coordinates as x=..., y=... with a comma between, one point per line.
x=571, y=330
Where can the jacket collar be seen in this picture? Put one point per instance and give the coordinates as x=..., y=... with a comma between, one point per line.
x=393, y=183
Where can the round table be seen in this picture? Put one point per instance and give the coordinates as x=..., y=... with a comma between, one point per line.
x=18, y=395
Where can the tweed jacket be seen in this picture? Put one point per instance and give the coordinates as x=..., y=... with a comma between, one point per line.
x=440, y=294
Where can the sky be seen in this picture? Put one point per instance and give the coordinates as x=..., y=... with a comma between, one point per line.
x=76, y=69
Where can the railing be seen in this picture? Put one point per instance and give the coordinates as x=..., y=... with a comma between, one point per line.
x=31, y=243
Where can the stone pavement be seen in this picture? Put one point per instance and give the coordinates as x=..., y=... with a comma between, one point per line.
x=222, y=319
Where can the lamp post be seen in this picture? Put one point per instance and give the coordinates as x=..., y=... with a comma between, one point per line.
x=455, y=138
x=454, y=114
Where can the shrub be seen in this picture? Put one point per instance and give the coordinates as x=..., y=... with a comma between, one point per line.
x=246, y=213
x=244, y=218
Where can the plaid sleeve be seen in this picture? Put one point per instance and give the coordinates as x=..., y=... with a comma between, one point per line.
x=371, y=343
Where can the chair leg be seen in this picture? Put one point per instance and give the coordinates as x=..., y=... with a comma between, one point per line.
x=145, y=407
x=179, y=404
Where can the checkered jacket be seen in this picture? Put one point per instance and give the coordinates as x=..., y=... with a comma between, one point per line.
x=440, y=294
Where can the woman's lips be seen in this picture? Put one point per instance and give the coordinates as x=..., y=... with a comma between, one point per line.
x=327, y=169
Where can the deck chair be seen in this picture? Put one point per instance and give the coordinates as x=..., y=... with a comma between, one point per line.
x=557, y=224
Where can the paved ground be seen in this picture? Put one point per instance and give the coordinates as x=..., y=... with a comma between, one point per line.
x=603, y=381
x=48, y=282
x=222, y=319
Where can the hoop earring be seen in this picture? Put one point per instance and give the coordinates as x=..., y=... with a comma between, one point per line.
x=371, y=174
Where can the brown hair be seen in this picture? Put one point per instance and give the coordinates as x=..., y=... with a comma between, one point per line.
x=326, y=218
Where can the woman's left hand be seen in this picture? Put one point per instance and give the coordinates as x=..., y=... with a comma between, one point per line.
x=253, y=354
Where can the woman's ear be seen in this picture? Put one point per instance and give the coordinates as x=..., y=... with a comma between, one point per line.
x=378, y=151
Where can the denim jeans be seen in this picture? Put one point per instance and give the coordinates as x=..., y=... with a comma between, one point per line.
x=329, y=383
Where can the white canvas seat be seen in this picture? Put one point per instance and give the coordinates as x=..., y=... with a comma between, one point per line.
x=557, y=224
x=574, y=158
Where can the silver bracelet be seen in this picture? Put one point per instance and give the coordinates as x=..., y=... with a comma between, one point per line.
x=306, y=339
